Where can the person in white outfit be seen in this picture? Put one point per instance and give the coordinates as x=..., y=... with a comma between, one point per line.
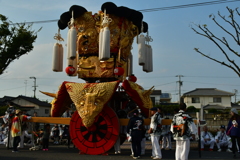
x=166, y=140
x=155, y=132
x=207, y=139
x=2, y=133
x=25, y=134
x=55, y=133
x=117, y=146
x=183, y=128
x=222, y=139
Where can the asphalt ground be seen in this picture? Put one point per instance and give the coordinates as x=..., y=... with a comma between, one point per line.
x=62, y=152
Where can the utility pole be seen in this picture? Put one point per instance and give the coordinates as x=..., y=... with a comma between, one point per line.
x=35, y=86
x=179, y=85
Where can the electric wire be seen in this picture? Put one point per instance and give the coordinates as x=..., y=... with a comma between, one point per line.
x=150, y=9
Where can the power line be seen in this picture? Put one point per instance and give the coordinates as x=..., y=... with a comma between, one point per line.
x=11, y=88
x=151, y=9
x=187, y=5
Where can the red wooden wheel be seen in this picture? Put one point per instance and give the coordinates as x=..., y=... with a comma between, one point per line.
x=98, y=138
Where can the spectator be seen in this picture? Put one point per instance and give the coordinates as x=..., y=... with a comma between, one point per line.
x=24, y=130
x=10, y=110
x=39, y=137
x=16, y=129
x=166, y=140
x=234, y=130
x=9, y=113
x=183, y=128
x=2, y=133
x=64, y=134
x=222, y=139
x=67, y=113
x=55, y=134
x=207, y=139
x=155, y=132
x=46, y=135
x=135, y=124
x=143, y=142
x=117, y=146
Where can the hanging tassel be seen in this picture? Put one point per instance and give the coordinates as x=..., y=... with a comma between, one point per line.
x=146, y=64
x=141, y=50
x=57, y=61
x=57, y=58
x=150, y=59
x=104, y=39
x=100, y=43
x=72, y=40
x=105, y=55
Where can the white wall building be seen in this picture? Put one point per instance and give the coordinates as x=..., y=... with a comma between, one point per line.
x=155, y=96
x=32, y=105
x=208, y=98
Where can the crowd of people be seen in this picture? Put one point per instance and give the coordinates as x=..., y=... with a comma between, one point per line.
x=226, y=137
x=182, y=129
x=29, y=134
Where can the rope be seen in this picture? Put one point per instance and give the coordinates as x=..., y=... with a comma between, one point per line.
x=58, y=36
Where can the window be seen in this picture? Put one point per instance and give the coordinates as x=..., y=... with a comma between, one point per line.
x=195, y=100
x=217, y=99
x=46, y=111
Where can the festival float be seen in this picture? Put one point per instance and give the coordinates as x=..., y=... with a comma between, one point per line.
x=99, y=52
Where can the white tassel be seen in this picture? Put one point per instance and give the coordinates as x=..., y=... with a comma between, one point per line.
x=150, y=59
x=100, y=43
x=105, y=55
x=72, y=43
x=146, y=64
x=57, y=58
x=141, y=50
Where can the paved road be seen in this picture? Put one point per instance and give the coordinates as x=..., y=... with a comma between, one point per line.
x=61, y=152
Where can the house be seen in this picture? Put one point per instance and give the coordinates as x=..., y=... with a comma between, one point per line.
x=155, y=97
x=208, y=98
x=165, y=98
x=29, y=104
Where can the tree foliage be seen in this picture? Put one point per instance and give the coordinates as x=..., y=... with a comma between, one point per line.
x=15, y=41
x=224, y=44
x=192, y=109
x=168, y=109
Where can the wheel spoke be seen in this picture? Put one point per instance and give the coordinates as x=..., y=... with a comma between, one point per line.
x=94, y=137
x=100, y=119
x=83, y=128
x=102, y=127
x=86, y=136
x=98, y=138
x=101, y=134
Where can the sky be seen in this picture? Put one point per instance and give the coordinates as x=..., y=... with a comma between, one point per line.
x=173, y=47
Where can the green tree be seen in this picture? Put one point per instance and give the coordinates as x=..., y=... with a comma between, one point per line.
x=15, y=41
x=212, y=110
x=168, y=109
x=225, y=43
x=192, y=109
